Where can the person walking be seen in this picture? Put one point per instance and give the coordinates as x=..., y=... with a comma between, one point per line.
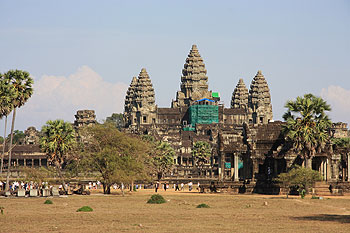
x=182, y=187
x=177, y=187
x=157, y=186
x=165, y=187
x=190, y=186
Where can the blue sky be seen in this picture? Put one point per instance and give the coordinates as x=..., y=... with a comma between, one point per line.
x=83, y=54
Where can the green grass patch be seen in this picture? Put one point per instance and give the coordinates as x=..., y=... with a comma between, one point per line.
x=203, y=206
x=48, y=202
x=156, y=199
x=85, y=209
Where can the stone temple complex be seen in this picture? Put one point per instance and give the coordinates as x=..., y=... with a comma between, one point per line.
x=247, y=145
x=248, y=148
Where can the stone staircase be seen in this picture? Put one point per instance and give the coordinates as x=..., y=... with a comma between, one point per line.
x=322, y=188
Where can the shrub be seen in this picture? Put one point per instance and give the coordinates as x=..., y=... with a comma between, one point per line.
x=315, y=197
x=203, y=206
x=48, y=202
x=85, y=209
x=156, y=199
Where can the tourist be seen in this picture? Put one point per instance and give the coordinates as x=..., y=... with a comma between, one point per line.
x=199, y=187
x=177, y=187
x=157, y=186
x=165, y=187
x=190, y=186
x=182, y=187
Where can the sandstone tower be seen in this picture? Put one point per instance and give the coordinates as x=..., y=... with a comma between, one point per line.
x=84, y=117
x=240, y=96
x=194, y=80
x=140, y=107
x=259, y=100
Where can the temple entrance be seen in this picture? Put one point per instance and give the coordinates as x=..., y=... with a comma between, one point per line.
x=320, y=164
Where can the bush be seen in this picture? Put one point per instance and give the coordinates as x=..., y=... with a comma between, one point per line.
x=48, y=202
x=85, y=209
x=203, y=206
x=156, y=199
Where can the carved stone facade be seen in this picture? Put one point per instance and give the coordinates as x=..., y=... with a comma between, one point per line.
x=84, y=117
x=31, y=136
x=140, y=107
x=260, y=100
x=246, y=143
x=194, y=81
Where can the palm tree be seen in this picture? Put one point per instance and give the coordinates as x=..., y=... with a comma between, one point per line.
x=164, y=159
x=21, y=85
x=201, y=152
x=58, y=139
x=307, y=125
x=6, y=95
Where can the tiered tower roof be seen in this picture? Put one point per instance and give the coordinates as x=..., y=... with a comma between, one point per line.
x=144, y=92
x=259, y=96
x=130, y=94
x=194, y=80
x=240, y=96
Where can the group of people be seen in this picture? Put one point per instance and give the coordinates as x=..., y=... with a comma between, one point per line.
x=16, y=185
x=177, y=187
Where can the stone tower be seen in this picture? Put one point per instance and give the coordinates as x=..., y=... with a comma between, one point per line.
x=240, y=96
x=140, y=107
x=84, y=117
x=194, y=80
x=259, y=100
x=128, y=101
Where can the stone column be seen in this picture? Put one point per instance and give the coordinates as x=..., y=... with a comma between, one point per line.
x=24, y=162
x=348, y=166
x=255, y=168
x=235, y=156
x=275, y=167
x=39, y=162
x=17, y=164
x=329, y=174
x=32, y=162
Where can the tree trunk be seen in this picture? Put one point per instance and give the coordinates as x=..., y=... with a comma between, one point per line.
x=59, y=172
x=3, y=148
x=122, y=188
x=106, y=188
x=10, y=151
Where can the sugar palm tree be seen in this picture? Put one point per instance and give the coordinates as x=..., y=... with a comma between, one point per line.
x=6, y=106
x=21, y=85
x=307, y=125
x=58, y=139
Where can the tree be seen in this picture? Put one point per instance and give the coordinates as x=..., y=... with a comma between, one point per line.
x=116, y=119
x=307, y=125
x=58, y=141
x=20, y=84
x=163, y=159
x=115, y=156
x=301, y=177
x=18, y=137
x=6, y=106
x=201, y=152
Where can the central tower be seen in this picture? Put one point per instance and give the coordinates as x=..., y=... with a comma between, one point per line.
x=194, y=81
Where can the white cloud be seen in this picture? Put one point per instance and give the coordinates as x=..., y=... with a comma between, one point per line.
x=339, y=99
x=59, y=97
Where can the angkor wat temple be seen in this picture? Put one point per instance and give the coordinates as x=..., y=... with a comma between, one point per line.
x=247, y=144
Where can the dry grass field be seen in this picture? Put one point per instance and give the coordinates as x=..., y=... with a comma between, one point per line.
x=228, y=213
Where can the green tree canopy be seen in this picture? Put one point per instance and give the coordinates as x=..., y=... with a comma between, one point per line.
x=163, y=158
x=20, y=83
x=301, y=177
x=201, y=152
x=116, y=156
x=307, y=125
x=57, y=141
x=116, y=119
